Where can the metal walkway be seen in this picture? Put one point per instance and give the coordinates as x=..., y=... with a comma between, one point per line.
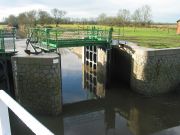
x=50, y=39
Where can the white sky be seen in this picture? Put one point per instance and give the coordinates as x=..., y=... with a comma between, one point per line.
x=162, y=10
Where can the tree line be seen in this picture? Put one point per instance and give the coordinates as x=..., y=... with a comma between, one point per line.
x=34, y=17
x=140, y=17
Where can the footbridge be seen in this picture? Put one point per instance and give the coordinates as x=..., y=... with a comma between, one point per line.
x=50, y=39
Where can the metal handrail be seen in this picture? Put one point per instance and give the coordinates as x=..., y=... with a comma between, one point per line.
x=6, y=33
x=32, y=123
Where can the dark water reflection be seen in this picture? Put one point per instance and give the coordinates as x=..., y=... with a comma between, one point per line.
x=72, y=78
x=93, y=109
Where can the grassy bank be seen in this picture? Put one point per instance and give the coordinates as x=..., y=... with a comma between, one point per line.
x=155, y=37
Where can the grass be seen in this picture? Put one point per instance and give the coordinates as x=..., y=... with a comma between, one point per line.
x=2, y=26
x=147, y=37
x=159, y=37
x=153, y=37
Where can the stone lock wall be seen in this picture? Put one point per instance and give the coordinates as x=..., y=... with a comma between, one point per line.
x=38, y=83
x=153, y=71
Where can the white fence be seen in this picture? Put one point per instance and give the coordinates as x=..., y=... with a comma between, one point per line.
x=7, y=102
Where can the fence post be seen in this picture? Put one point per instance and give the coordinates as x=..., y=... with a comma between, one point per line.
x=14, y=37
x=4, y=120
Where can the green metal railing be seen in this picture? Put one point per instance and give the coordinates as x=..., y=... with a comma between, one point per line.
x=53, y=38
x=7, y=40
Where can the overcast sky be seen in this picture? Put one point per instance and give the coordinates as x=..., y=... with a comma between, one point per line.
x=162, y=10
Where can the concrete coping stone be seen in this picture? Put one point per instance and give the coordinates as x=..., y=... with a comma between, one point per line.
x=37, y=56
x=42, y=59
x=150, y=51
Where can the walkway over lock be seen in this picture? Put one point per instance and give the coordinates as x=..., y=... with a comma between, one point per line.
x=49, y=39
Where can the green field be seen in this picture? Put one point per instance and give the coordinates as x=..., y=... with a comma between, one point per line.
x=2, y=26
x=160, y=37
x=156, y=37
x=152, y=37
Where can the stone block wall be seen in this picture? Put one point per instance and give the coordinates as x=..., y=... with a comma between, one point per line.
x=153, y=71
x=37, y=82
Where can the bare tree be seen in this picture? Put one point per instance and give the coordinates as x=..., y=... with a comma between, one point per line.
x=22, y=19
x=43, y=17
x=124, y=16
x=146, y=14
x=102, y=18
x=32, y=17
x=142, y=16
x=12, y=21
x=136, y=17
x=58, y=15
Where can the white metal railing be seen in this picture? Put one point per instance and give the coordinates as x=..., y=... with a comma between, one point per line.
x=7, y=102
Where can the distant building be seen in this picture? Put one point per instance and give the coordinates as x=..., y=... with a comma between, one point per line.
x=178, y=27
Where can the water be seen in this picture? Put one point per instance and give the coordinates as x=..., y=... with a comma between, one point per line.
x=72, y=78
x=100, y=110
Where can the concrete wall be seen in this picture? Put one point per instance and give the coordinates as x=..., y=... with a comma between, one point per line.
x=38, y=83
x=153, y=71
